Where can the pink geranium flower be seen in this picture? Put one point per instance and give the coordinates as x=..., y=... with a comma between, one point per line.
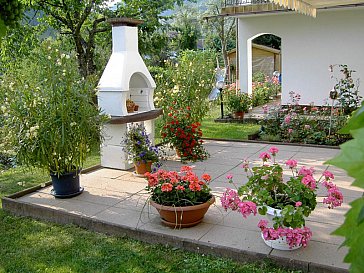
x=265, y=156
x=328, y=175
x=273, y=150
x=247, y=208
x=291, y=163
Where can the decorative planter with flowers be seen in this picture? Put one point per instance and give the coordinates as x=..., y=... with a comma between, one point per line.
x=184, y=134
x=182, y=199
x=289, y=202
x=238, y=103
x=140, y=149
x=51, y=119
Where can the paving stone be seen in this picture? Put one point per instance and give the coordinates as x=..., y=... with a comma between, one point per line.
x=101, y=196
x=236, y=238
x=137, y=202
x=330, y=216
x=193, y=233
x=41, y=198
x=317, y=252
x=124, y=217
x=80, y=207
x=107, y=173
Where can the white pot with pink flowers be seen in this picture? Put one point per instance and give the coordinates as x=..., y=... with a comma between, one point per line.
x=288, y=201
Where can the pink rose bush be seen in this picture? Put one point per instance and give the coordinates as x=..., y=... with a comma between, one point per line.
x=295, y=197
x=179, y=189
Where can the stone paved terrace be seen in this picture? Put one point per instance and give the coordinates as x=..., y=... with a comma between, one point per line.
x=114, y=202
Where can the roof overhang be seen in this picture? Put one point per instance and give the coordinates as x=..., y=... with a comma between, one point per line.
x=306, y=7
x=309, y=7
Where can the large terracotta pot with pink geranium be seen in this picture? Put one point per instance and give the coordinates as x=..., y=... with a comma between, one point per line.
x=287, y=201
x=181, y=198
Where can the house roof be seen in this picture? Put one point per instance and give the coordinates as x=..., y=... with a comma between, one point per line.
x=309, y=7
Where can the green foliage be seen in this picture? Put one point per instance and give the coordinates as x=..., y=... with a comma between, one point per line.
x=238, y=102
x=305, y=124
x=19, y=42
x=348, y=91
x=186, y=83
x=268, y=40
x=49, y=115
x=264, y=89
x=10, y=12
x=351, y=159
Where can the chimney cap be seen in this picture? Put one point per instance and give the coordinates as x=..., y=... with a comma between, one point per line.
x=124, y=21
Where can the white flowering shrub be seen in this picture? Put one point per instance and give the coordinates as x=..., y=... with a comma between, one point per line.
x=186, y=83
x=48, y=113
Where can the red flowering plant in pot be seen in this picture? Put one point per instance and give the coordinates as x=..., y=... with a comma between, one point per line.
x=181, y=198
x=286, y=202
x=184, y=134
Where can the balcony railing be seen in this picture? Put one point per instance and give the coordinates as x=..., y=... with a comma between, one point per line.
x=230, y=3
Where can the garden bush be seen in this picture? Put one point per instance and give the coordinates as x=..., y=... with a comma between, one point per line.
x=265, y=89
x=304, y=124
x=186, y=83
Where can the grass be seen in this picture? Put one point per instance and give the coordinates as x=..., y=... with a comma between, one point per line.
x=211, y=129
x=29, y=245
x=236, y=131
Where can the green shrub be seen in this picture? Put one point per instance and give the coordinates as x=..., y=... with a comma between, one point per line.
x=50, y=117
x=186, y=83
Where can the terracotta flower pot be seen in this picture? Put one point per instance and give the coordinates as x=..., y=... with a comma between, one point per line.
x=143, y=167
x=239, y=115
x=178, y=153
x=181, y=217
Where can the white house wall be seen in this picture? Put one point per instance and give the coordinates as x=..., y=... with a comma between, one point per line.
x=309, y=46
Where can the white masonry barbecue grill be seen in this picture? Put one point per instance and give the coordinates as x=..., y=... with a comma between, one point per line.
x=125, y=77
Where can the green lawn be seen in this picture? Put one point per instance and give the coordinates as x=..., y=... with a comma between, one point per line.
x=236, y=131
x=211, y=129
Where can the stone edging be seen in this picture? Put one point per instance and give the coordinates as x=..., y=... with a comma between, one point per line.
x=20, y=208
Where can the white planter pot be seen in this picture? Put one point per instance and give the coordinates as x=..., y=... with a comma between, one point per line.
x=280, y=244
x=272, y=212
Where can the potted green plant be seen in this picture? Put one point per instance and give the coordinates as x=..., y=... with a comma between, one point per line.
x=182, y=199
x=238, y=104
x=140, y=149
x=50, y=117
x=287, y=202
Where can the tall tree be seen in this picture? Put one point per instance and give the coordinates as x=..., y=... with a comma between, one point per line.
x=82, y=21
x=225, y=27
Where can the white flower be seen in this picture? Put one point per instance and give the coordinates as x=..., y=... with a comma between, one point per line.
x=63, y=55
x=73, y=124
x=68, y=56
x=3, y=108
x=56, y=49
x=49, y=48
x=54, y=153
x=49, y=57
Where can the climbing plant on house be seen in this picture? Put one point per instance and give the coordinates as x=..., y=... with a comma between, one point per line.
x=351, y=159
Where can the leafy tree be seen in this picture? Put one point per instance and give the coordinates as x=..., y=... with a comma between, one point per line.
x=268, y=40
x=187, y=23
x=82, y=21
x=10, y=13
x=225, y=27
x=19, y=41
x=351, y=159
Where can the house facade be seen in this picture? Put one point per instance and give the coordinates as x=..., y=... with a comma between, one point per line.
x=309, y=45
